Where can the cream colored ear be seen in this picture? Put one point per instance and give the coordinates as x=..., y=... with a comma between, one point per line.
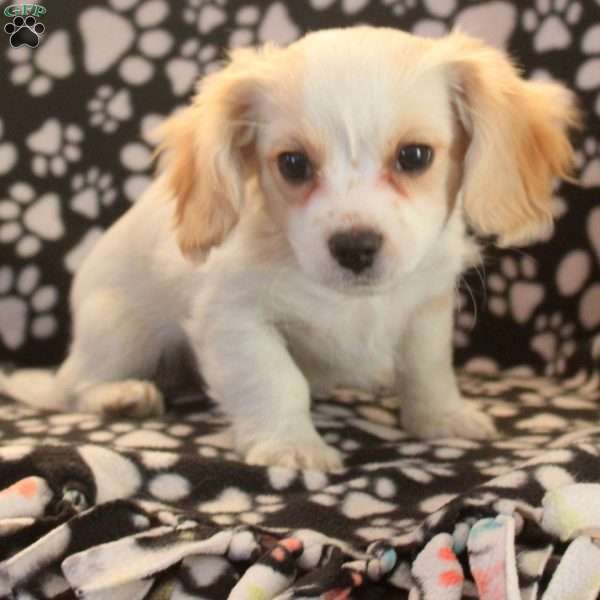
x=518, y=141
x=202, y=151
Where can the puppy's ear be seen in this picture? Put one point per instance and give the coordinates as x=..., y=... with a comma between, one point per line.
x=203, y=149
x=519, y=140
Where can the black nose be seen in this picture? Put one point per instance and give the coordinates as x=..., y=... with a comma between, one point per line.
x=355, y=249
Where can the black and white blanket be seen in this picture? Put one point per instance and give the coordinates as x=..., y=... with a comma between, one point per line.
x=119, y=510
x=162, y=508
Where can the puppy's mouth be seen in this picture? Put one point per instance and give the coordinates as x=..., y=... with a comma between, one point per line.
x=363, y=284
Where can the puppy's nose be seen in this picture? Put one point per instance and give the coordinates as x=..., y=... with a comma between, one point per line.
x=355, y=249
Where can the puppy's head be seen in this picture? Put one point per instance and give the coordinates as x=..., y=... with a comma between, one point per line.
x=365, y=143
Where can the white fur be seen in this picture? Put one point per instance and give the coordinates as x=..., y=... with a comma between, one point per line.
x=269, y=313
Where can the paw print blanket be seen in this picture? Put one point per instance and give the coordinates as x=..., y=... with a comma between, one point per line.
x=109, y=508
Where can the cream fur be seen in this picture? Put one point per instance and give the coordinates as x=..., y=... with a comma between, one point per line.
x=225, y=255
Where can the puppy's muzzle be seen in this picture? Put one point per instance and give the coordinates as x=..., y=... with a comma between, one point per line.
x=355, y=249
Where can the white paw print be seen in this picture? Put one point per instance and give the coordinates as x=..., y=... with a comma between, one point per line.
x=135, y=38
x=8, y=153
x=253, y=26
x=205, y=15
x=551, y=19
x=25, y=306
x=92, y=191
x=38, y=69
x=400, y=7
x=514, y=287
x=26, y=220
x=54, y=146
x=588, y=161
x=554, y=342
x=194, y=60
x=465, y=318
x=137, y=157
x=109, y=108
x=587, y=77
x=245, y=19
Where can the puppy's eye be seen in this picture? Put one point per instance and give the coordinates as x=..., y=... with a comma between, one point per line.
x=295, y=167
x=414, y=158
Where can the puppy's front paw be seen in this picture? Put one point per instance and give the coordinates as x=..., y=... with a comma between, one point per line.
x=465, y=421
x=130, y=398
x=310, y=453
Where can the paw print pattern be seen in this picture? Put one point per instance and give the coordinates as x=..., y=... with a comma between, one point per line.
x=587, y=77
x=554, y=342
x=205, y=15
x=109, y=108
x=8, y=153
x=135, y=41
x=246, y=19
x=588, y=161
x=26, y=220
x=54, y=146
x=92, y=191
x=137, y=157
x=499, y=17
x=24, y=32
x=25, y=306
x=194, y=60
x=464, y=320
x=254, y=27
x=400, y=7
x=38, y=70
x=550, y=20
x=514, y=287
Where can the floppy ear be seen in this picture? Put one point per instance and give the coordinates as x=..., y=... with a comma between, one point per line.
x=202, y=152
x=519, y=141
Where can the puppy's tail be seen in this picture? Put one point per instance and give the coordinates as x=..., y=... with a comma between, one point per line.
x=36, y=387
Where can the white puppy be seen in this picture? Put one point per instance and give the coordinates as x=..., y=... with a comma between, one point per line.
x=307, y=230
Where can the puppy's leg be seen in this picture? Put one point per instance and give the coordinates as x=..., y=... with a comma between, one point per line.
x=431, y=404
x=249, y=370
x=115, y=349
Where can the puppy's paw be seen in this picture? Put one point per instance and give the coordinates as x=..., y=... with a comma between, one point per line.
x=303, y=453
x=465, y=421
x=130, y=398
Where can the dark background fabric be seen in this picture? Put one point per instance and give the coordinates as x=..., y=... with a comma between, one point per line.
x=75, y=152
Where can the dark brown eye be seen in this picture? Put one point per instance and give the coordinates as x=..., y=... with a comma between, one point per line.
x=414, y=158
x=295, y=167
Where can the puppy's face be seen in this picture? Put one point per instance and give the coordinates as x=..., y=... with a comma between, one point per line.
x=365, y=141
x=360, y=159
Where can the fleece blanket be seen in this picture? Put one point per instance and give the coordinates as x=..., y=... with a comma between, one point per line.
x=110, y=508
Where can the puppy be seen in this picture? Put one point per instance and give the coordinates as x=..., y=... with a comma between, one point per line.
x=307, y=229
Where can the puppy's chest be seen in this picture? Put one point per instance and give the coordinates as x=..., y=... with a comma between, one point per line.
x=349, y=344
